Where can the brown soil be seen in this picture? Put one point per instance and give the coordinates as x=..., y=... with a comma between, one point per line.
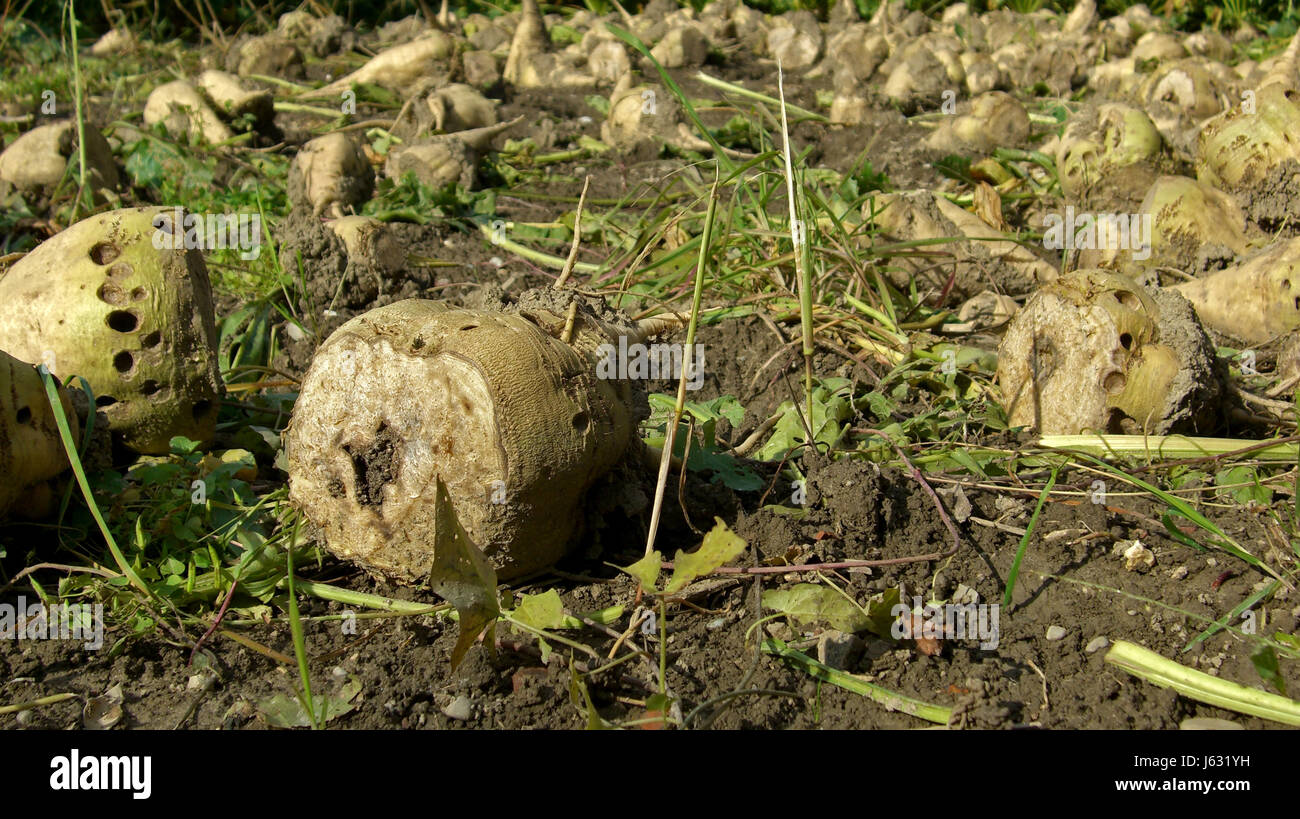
x=1070, y=579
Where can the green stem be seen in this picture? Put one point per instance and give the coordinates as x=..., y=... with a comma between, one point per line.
x=741, y=91
x=1200, y=686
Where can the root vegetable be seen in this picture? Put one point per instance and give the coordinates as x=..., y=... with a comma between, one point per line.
x=329, y=174
x=231, y=99
x=1189, y=216
x=370, y=243
x=185, y=113
x=1182, y=95
x=450, y=158
x=115, y=41
x=608, y=62
x=995, y=119
x=1108, y=156
x=1255, y=300
x=31, y=453
x=268, y=55
x=481, y=69
x=979, y=263
x=514, y=421
x=856, y=51
x=1158, y=45
x=38, y=159
x=795, y=43
x=529, y=63
x=1255, y=156
x=401, y=68
x=107, y=299
x=922, y=71
x=982, y=74
x=327, y=35
x=1094, y=351
x=455, y=107
x=681, y=47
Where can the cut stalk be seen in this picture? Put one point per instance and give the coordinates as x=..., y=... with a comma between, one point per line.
x=799, y=240
x=688, y=356
x=1200, y=686
x=1172, y=446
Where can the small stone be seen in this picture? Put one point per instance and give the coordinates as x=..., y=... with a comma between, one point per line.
x=1055, y=633
x=965, y=595
x=1097, y=644
x=1178, y=573
x=25, y=718
x=716, y=623
x=838, y=650
x=458, y=709
x=293, y=331
x=200, y=682
x=1209, y=724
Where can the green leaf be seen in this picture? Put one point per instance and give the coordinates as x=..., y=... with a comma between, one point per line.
x=540, y=610
x=1264, y=659
x=720, y=546
x=1252, y=491
x=461, y=575
x=832, y=408
x=815, y=604
x=646, y=570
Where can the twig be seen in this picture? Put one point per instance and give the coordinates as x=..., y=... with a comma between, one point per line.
x=225, y=604
x=577, y=238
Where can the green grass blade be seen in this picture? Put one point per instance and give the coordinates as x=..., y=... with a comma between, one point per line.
x=1029, y=533
x=70, y=447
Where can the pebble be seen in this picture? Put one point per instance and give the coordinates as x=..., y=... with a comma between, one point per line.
x=1178, y=573
x=1055, y=633
x=1209, y=724
x=716, y=623
x=25, y=717
x=965, y=595
x=1097, y=644
x=458, y=709
x=293, y=331
x=838, y=650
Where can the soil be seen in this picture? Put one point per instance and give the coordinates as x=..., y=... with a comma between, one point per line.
x=1072, y=596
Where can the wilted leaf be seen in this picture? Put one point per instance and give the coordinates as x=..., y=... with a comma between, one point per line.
x=462, y=576
x=646, y=570
x=720, y=546
x=282, y=711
